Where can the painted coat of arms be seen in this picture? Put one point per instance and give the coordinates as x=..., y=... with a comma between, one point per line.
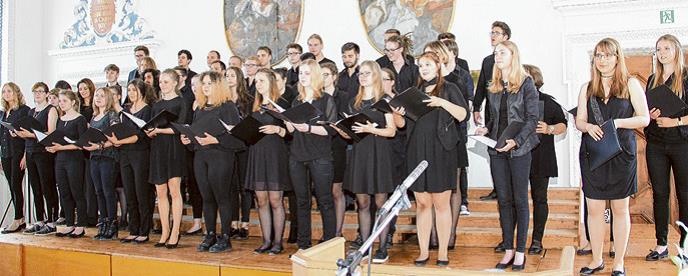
x=422, y=20
x=105, y=21
x=250, y=24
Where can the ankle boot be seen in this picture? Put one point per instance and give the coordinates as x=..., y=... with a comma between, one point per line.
x=102, y=227
x=110, y=230
x=222, y=244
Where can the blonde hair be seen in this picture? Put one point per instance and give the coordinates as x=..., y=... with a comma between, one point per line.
x=619, y=84
x=378, y=92
x=274, y=93
x=71, y=95
x=440, y=49
x=17, y=94
x=109, y=98
x=515, y=77
x=316, y=80
x=219, y=94
x=679, y=66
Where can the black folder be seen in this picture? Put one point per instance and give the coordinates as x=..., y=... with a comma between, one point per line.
x=573, y=111
x=48, y=139
x=120, y=131
x=599, y=152
x=8, y=126
x=350, y=121
x=509, y=133
x=662, y=98
x=29, y=123
x=299, y=114
x=208, y=124
x=248, y=130
x=383, y=106
x=91, y=135
x=412, y=101
x=161, y=119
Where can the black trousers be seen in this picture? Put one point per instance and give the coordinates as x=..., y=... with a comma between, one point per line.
x=213, y=168
x=40, y=167
x=538, y=192
x=661, y=160
x=14, y=175
x=321, y=174
x=134, y=169
x=463, y=185
x=90, y=195
x=70, y=182
x=242, y=199
x=103, y=178
x=195, y=198
x=510, y=177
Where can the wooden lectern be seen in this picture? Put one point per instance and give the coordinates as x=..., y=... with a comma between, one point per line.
x=322, y=260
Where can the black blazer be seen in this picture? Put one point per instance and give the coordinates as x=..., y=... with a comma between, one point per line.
x=12, y=146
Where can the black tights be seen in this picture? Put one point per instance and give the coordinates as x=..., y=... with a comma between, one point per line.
x=365, y=218
x=212, y=168
x=271, y=212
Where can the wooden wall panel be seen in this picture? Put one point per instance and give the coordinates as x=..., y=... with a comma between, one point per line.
x=123, y=265
x=11, y=259
x=43, y=261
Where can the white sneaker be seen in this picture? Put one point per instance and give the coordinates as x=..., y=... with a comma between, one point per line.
x=464, y=211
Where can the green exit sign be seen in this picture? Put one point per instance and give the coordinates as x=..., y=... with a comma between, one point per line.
x=666, y=17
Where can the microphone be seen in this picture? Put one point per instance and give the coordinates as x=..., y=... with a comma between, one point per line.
x=401, y=189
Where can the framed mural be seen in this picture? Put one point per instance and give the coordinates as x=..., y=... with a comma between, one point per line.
x=250, y=24
x=421, y=20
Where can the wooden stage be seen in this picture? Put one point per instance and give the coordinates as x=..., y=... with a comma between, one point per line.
x=31, y=255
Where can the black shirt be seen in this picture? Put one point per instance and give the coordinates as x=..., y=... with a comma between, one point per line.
x=287, y=97
x=503, y=113
x=229, y=114
x=293, y=76
x=12, y=146
x=670, y=135
x=72, y=129
x=32, y=144
x=483, y=83
x=544, y=162
x=348, y=83
x=143, y=143
x=87, y=111
x=307, y=146
x=189, y=98
x=462, y=63
x=406, y=77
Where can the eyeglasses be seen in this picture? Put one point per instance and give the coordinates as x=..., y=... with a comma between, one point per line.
x=293, y=54
x=605, y=56
x=496, y=33
x=38, y=91
x=391, y=50
x=364, y=74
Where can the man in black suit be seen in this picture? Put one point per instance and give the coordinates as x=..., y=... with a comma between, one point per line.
x=139, y=53
x=184, y=58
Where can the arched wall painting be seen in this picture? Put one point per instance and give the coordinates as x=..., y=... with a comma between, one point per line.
x=250, y=24
x=422, y=20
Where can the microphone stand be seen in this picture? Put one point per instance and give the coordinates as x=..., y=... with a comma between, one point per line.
x=398, y=201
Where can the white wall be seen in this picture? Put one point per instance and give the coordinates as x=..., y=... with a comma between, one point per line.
x=552, y=34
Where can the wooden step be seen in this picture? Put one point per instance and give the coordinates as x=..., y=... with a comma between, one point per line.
x=552, y=193
x=562, y=206
x=350, y=217
x=491, y=219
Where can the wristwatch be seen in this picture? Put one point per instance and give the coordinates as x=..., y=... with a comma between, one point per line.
x=550, y=129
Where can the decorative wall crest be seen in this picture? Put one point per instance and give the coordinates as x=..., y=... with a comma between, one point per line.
x=105, y=21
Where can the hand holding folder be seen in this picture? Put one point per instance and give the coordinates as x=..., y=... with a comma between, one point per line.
x=208, y=124
x=89, y=137
x=347, y=124
x=55, y=137
x=161, y=119
x=662, y=98
x=120, y=131
x=300, y=114
x=412, y=100
x=248, y=130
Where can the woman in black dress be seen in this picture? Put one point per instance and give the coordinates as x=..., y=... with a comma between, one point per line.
x=86, y=89
x=12, y=151
x=40, y=164
x=544, y=162
x=619, y=98
x=667, y=143
x=268, y=172
x=433, y=138
x=168, y=159
x=214, y=156
x=241, y=199
x=310, y=155
x=369, y=169
x=134, y=163
x=69, y=166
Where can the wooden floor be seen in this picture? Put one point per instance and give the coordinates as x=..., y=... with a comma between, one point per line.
x=124, y=259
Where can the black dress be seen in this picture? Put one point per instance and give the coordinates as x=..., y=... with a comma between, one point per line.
x=339, y=144
x=167, y=153
x=424, y=144
x=369, y=170
x=617, y=178
x=268, y=160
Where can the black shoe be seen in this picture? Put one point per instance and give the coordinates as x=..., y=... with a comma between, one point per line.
x=137, y=241
x=243, y=234
x=380, y=256
x=222, y=244
x=195, y=232
x=102, y=227
x=421, y=262
x=265, y=248
x=500, y=248
x=491, y=196
x=356, y=244
x=63, y=235
x=161, y=244
x=234, y=233
x=619, y=273
x=442, y=263
x=590, y=271
x=74, y=235
x=583, y=252
x=504, y=266
x=46, y=230
x=209, y=240
x=520, y=267
x=127, y=239
x=111, y=231
x=535, y=248
x=656, y=256
x=276, y=249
